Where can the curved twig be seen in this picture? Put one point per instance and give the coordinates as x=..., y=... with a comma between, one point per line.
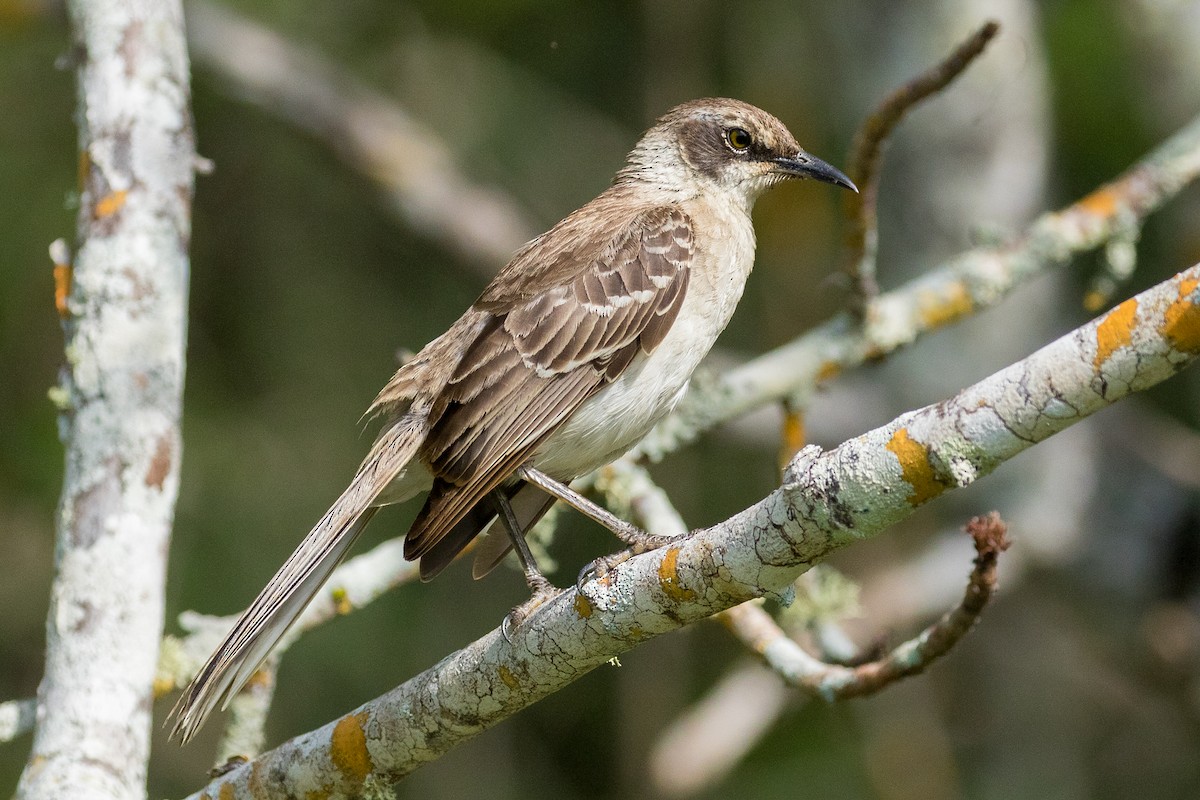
x=755, y=627
x=866, y=157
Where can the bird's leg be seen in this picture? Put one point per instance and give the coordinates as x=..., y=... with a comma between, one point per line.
x=542, y=589
x=639, y=541
x=538, y=583
x=627, y=532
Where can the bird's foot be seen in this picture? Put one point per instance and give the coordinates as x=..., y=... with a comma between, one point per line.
x=639, y=541
x=643, y=543
x=543, y=592
x=597, y=569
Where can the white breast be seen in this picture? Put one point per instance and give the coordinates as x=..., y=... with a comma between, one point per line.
x=618, y=416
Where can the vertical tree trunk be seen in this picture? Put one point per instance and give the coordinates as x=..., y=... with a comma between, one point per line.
x=120, y=395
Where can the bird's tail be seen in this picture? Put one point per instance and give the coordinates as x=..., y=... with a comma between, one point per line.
x=288, y=593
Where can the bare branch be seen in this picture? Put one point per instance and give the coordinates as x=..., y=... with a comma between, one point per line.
x=123, y=304
x=828, y=500
x=755, y=627
x=866, y=158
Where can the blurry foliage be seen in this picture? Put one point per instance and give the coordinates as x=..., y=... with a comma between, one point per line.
x=304, y=286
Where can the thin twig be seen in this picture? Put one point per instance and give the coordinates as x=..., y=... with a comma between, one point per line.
x=866, y=157
x=750, y=623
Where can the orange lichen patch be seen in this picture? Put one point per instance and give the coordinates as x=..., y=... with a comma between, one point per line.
x=319, y=794
x=915, y=467
x=793, y=435
x=941, y=308
x=162, y=687
x=828, y=370
x=262, y=677
x=508, y=678
x=1102, y=202
x=1115, y=331
x=583, y=606
x=1181, y=321
x=1093, y=301
x=226, y=792
x=110, y=204
x=668, y=577
x=62, y=288
x=348, y=748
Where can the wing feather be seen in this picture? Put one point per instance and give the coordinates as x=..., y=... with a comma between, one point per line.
x=546, y=349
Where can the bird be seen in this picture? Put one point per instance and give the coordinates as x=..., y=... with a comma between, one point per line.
x=572, y=353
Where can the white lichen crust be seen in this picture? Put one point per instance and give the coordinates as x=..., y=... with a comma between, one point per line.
x=124, y=313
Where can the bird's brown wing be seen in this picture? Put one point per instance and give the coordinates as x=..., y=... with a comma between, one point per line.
x=545, y=350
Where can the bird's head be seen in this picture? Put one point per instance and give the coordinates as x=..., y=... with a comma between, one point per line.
x=726, y=145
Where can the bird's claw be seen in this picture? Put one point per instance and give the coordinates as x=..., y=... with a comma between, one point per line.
x=637, y=545
x=542, y=594
x=601, y=566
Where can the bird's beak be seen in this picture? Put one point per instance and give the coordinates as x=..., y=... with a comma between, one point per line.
x=802, y=165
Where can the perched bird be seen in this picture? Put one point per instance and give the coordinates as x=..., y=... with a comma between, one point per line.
x=580, y=344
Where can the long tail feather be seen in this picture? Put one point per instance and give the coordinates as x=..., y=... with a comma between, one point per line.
x=288, y=593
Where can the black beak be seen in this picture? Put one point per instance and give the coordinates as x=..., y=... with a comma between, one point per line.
x=802, y=165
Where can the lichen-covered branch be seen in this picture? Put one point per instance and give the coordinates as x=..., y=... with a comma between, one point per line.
x=967, y=284
x=123, y=302
x=371, y=132
x=718, y=730
x=762, y=634
x=828, y=500
x=866, y=157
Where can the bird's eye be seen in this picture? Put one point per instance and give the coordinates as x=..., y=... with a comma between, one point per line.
x=738, y=139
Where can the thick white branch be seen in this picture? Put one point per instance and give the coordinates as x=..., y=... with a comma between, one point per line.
x=120, y=400
x=828, y=500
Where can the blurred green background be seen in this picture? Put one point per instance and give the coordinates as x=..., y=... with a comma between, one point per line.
x=1083, y=680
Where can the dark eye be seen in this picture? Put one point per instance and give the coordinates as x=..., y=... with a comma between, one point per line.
x=738, y=139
